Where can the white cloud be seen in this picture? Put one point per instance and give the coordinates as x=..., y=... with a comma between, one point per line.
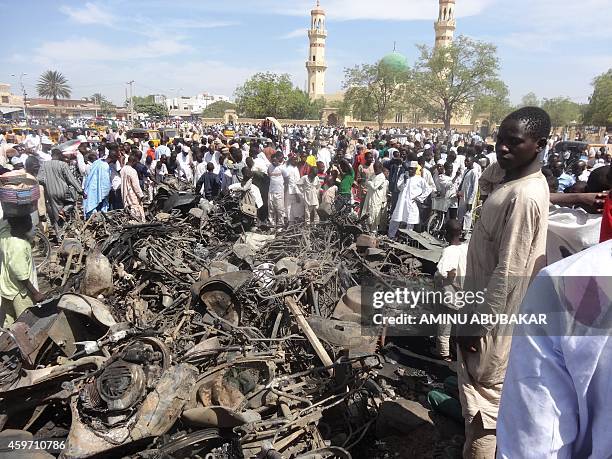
x=85, y=49
x=90, y=13
x=301, y=32
x=197, y=24
x=393, y=10
x=545, y=24
x=345, y=10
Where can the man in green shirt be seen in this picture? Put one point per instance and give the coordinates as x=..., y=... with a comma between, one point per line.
x=345, y=185
x=17, y=274
x=347, y=178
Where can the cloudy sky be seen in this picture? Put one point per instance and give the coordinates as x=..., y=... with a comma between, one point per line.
x=550, y=47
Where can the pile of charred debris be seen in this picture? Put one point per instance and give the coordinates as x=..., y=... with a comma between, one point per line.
x=198, y=335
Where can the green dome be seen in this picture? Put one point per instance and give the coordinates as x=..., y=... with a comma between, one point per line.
x=395, y=61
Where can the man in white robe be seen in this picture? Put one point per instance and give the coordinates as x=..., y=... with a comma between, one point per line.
x=324, y=155
x=212, y=156
x=555, y=402
x=294, y=203
x=412, y=188
x=468, y=190
x=310, y=186
x=506, y=249
x=185, y=163
x=375, y=202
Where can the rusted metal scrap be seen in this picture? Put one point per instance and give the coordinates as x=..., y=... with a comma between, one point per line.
x=214, y=340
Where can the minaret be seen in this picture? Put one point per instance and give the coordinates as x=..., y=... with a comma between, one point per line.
x=316, y=58
x=445, y=25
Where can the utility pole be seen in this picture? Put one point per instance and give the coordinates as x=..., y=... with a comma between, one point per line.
x=131, y=83
x=25, y=96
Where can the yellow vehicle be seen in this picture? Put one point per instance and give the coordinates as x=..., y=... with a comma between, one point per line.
x=52, y=132
x=229, y=131
x=597, y=146
x=17, y=134
x=155, y=137
x=167, y=133
x=100, y=126
x=140, y=134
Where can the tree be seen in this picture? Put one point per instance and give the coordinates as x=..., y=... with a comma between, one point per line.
x=147, y=105
x=562, y=111
x=530, y=100
x=301, y=107
x=270, y=94
x=342, y=106
x=373, y=91
x=360, y=109
x=264, y=94
x=106, y=106
x=97, y=98
x=217, y=109
x=599, y=110
x=449, y=80
x=494, y=104
x=53, y=85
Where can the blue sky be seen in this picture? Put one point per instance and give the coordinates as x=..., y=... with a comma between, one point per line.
x=553, y=48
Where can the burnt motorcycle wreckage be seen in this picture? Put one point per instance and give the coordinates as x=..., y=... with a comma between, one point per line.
x=212, y=341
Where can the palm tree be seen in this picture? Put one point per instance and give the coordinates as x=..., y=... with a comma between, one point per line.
x=52, y=84
x=97, y=98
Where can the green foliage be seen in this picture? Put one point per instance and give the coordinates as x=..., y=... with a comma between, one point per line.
x=148, y=106
x=53, y=85
x=599, y=110
x=106, y=106
x=300, y=107
x=530, y=100
x=270, y=94
x=374, y=91
x=562, y=111
x=217, y=109
x=449, y=80
x=494, y=103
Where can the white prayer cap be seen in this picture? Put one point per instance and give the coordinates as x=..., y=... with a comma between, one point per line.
x=427, y=146
x=413, y=164
x=441, y=162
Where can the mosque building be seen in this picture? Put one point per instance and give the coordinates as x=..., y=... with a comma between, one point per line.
x=444, y=28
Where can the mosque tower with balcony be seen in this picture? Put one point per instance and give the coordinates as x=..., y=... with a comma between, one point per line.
x=445, y=25
x=316, y=65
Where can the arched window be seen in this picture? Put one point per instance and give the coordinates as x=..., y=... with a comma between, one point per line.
x=450, y=14
x=312, y=87
x=445, y=14
x=313, y=58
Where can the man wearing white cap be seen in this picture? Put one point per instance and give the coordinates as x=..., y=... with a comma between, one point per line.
x=412, y=188
x=185, y=163
x=32, y=141
x=324, y=155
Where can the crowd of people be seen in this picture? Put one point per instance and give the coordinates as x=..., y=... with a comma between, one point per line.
x=511, y=207
x=394, y=178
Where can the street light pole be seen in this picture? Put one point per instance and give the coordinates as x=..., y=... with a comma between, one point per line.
x=177, y=92
x=131, y=83
x=25, y=96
